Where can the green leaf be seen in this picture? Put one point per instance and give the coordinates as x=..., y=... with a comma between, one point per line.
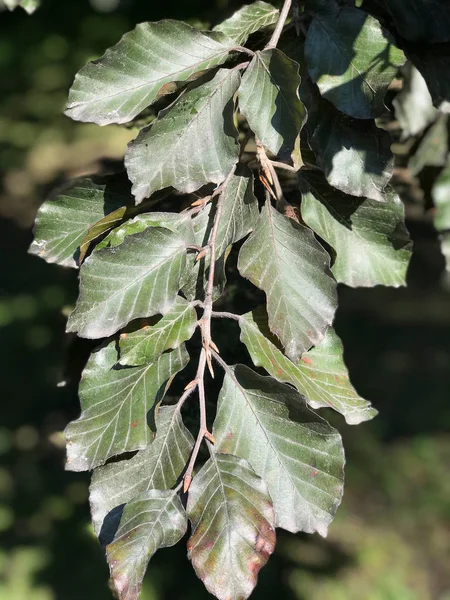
x=355, y=155
x=233, y=526
x=62, y=223
x=298, y=455
x=158, y=467
x=434, y=64
x=353, y=60
x=441, y=198
x=426, y=20
x=269, y=100
x=145, y=345
x=370, y=238
x=154, y=520
x=320, y=376
x=284, y=259
x=248, y=20
x=29, y=5
x=191, y=144
x=146, y=64
x=433, y=148
x=115, y=403
x=414, y=108
x=139, y=278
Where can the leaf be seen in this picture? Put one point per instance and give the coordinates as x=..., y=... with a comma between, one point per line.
x=284, y=259
x=153, y=520
x=115, y=403
x=433, y=148
x=320, y=376
x=355, y=155
x=145, y=345
x=158, y=467
x=99, y=228
x=370, y=238
x=414, y=108
x=434, y=64
x=139, y=278
x=298, y=455
x=353, y=60
x=441, y=199
x=62, y=223
x=426, y=20
x=233, y=528
x=146, y=64
x=248, y=20
x=269, y=100
x=191, y=144
x=29, y=5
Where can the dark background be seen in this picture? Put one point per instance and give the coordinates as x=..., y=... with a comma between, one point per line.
x=390, y=540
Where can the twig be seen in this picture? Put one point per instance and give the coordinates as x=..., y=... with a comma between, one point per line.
x=284, y=166
x=273, y=43
x=225, y=315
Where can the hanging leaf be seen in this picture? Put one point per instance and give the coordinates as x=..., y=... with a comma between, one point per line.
x=298, y=455
x=191, y=144
x=433, y=148
x=441, y=198
x=370, y=238
x=139, y=278
x=158, y=467
x=426, y=20
x=146, y=64
x=269, y=100
x=62, y=223
x=145, y=345
x=284, y=259
x=355, y=156
x=233, y=528
x=153, y=520
x=320, y=376
x=248, y=20
x=116, y=402
x=29, y=5
x=353, y=60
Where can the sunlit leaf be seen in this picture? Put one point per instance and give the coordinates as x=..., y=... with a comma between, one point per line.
x=115, y=406
x=284, y=259
x=269, y=100
x=247, y=20
x=370, y=238
x=146, y=64
x=298, y=455
x=145, y=345
x=320, y=376
x=233, y=526
x=29, y=5
x=433, y=148
x=63, y=222
x=191, y=144
x=353, y=60
x=139, y=278
x=158, y=467
x=153, y=520
x=433, y=61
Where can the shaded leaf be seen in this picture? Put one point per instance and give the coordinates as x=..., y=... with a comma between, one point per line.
x=298, y=455
x=146, y=64
x=269, y=100
x=284, y=259
x=145, y=345
x=62, y=223
x=441, y=198
x=414, y=108
x=320, y=376
x=153, y=520
x=433, y=148
x=370, y=238
x=233, y=526
x=115, y=406
x=191, y=144
x=248, y=20
x=158, y=467
x=353, y=60
x=355, y=155
x=426, y=20
x=139, y=278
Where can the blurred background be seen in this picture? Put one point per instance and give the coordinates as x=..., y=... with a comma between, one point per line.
x=391, y=537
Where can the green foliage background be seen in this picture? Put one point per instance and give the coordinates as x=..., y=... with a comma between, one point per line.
x=390, y=537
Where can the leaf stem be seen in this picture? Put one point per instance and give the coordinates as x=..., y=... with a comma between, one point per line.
x=273, y=43
x=225, y=315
